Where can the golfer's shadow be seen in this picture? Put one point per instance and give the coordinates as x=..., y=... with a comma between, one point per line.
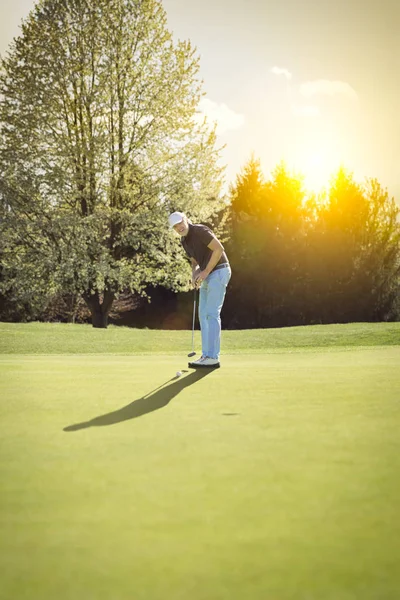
x=156, y=399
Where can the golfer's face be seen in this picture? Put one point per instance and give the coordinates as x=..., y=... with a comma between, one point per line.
x=182, y=228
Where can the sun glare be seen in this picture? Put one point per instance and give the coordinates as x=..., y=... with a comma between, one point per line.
x=317, y=166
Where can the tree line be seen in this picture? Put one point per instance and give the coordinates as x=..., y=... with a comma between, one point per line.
x=100, y=138
x=300, y=258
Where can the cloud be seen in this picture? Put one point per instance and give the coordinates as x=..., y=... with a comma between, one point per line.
x=324, y=87
x=279, y=71
x=306, y=110
x=225, y=118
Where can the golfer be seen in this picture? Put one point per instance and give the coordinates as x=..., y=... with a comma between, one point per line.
x=211, y=272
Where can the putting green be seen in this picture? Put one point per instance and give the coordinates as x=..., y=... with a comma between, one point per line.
x=275, y=477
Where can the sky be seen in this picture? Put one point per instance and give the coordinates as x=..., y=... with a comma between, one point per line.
x=315, y=83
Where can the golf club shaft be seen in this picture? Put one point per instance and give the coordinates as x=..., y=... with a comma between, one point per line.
x=194, y=317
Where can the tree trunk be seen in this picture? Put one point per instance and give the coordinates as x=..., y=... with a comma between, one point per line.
x=99, y=310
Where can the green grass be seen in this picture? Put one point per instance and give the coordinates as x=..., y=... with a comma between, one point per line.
x=275, y=477
x=53, y=338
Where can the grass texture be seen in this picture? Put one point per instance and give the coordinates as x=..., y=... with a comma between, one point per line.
x=275, y=477
x=59, y=338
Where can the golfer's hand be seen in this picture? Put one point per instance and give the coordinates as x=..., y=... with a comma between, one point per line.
x=195, y=274
x=200, y=278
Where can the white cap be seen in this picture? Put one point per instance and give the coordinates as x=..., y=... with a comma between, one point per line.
x=175, y=218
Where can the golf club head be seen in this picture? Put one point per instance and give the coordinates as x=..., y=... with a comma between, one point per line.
x=191, y=354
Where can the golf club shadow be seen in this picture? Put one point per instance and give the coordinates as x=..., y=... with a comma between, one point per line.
x=155, y=400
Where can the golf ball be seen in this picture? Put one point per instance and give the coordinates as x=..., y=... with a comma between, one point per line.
x=178, y=373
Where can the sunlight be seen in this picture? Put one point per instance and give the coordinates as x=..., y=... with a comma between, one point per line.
x=317, y=165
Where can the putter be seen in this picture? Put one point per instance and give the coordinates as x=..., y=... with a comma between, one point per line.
x=192, y=353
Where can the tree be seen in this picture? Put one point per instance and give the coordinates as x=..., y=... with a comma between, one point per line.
x=375, y=282
x=246, y=193
x=355, y=262
x=334, y=243
x=243, y=246
x=99, y=141
x=267, y=222
x=297, y=259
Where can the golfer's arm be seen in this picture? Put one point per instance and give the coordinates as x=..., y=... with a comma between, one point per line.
x=217, y=250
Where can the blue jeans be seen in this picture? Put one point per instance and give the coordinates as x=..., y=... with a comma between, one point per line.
x=212, y=295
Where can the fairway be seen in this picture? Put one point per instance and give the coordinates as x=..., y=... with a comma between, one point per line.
x=275, y=477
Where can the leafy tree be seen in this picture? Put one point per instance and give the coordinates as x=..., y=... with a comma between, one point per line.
x=241, y=245
x=266, y=225
x=99, y=141
x=247, y=192
x=297, y=259
x=380, y=265
x=353, y=253
x=332, y=248
x=375, y=284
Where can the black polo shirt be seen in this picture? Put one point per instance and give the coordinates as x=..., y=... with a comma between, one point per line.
x=195, y=244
